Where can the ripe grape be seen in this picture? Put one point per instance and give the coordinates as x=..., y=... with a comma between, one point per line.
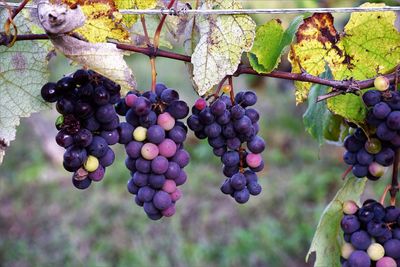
x=231, y=129
x=153, y=138
x=88, y=124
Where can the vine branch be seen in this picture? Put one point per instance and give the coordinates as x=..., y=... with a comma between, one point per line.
x=394, y=188
x=341, y=87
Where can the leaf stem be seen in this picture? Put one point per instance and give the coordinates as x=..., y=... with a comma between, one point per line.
x=153, y=74
x=394, y=188
x=146, y=33
x=382, y=199
x=231, y=92
x=156, y=39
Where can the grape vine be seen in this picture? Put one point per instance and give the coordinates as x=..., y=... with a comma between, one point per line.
x=100, y=105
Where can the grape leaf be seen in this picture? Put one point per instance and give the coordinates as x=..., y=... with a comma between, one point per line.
x=23, y=71
x=223, y=39
x=369, y=46
x=327, y=235
x=317, y=114
x=129, y=20
x=102, y=20
x=270, y=43
x=104, y=58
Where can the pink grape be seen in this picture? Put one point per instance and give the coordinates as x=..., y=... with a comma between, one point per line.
x=130, y=100
x=149, y=151
x=176, y=195
x=169, y=186
x=166, y=121
x=170, y=211
x=350, y=207
x=200, y=104
x=386, y=262
x=253, y=160
x=167, y=148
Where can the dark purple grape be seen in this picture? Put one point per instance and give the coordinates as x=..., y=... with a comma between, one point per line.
x=225, y=118
x=63, y=139
x=360, y=171
x=384, y=133
x=371, y=98
x=111, y=137
x=181, y=178
x=237, y=112
x=212, y=130
x=381, y=110
x=145, y=194
x=206, y=117
x=150, y=209
x=238, y=181
x=173, y=170
x=49, y=93
x=98, y=147
x=217, y=142
x=233, y=143
x=162, y=200
x=376, y=228
x=176, y=134
x=393, y=120
x=81, y=77
x=108, y=158
x=142, y=106
x=252, y=114
x=181, y=157
x=360, y=240
x=156, y=181
x=228, y=131
x=242, y=196
x=254, y=188
x=352, y=144
x=391, y=214
x=230, y=158
x=226, y=187
x=178, y=109
x=159, y=165
x=248, y=99
x=74, y=157
x=230, y=170
x=364, y=158
x=98, y=174
x=121, y=108
x=194, y=123
x=65, y=84
x=392, y=248
x=130, y=164
x=349, y=224
x=169, y=95
x=160, y=87
x=148, y=120
x=125, y=131
x=359, y=258
x=219, y=151
x=105, y=113
x=143, y=165
x=133, y=149
x=155, y=134
x=91, y=124
x=218, y=108
x=81, y=184
x=140, y=179
x=242, y=125
x=385, y=157
x=83, y=110
x=65, y=106
x=101, y=96
x=83, y=138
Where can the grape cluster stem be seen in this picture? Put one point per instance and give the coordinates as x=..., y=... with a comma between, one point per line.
x=394, y=187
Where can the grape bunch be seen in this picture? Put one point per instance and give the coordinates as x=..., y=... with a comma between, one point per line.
x=371, y=235
x=370, y=155
x=228, y=124
x=87, y=125
x=153, y=136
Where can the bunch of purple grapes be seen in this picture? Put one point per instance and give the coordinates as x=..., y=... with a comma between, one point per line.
x=370, y=156
x=371, y=235
x=87, y=125
x=153, y=137
x=228, y=124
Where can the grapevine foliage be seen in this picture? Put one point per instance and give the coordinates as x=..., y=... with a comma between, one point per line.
x=217, y=46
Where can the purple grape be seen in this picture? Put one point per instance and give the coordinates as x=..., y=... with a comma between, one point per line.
x=381, y=110
x=371, y=98
x=140, y=179
x=177, y=134
x=81, y=184
x=108, y=158
x=230, y=158
x=143, y=165
x=50, y=93
x=238, y=181
x=125, y=131
x=173, y=170
x=162, y=200
x=101, y=96
x=156, y=181
x=98, y=174
x=155, y=134
x=359, y=258
x=145, y=194
x=181, y=157
x=218, y=108
x=178, y=109
x=226, y=187
x=105, y=113
x=169, y=95
x=98, y=147
x=111, y=137
x=212, y=130
x=242, y=196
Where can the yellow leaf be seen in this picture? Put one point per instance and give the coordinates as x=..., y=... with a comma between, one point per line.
x=129, y=20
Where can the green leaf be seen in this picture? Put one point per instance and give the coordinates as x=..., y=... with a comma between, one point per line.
x=368, y=47
x=270, y=43
x=326, y=239
x=316, y=115
x=23, y=71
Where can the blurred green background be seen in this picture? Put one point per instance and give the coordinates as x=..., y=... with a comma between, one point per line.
x=45, y=221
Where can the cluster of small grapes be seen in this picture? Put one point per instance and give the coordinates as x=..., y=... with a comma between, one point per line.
x=370, y=156
x=87, y=125
x=371, y=234
x=153, y=137
x=228, y=124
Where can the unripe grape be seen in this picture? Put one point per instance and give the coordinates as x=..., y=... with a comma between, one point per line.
x=139, y=134
x=170, y=211
x=350, y=207
x=381, y=83
x=130, y=100
x=376, y=169
x=169, y=186
x=376, y=251
x=176, y=195
x=149, y=151
x=200, y=104
x=226, y=88
x=346, y=250
x=386, y=262
x=91, y=164
x=373, y=146
x=253, y=160
x=166, y=121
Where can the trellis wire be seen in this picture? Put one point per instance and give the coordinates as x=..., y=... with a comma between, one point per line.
x=238, y=11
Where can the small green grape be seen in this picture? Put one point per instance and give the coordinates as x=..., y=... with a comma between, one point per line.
x=91, y=164
x=346, y=250
x=381, y=83
x=373, y=146
x=139, y=134
x=376, y=251
x=350, y=207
